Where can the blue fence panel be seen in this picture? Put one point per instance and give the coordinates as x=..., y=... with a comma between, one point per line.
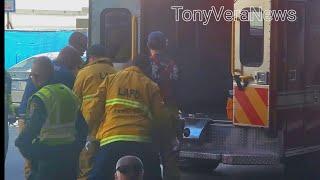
x=20, y=45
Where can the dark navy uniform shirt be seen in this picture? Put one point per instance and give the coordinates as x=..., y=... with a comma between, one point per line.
x=37, y=151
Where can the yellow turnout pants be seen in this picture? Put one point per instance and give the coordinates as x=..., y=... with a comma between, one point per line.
x=86, y=159
x=27, y=163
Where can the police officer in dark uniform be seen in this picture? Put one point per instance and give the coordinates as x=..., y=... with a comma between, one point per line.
x=65, y=67
x=55, y=131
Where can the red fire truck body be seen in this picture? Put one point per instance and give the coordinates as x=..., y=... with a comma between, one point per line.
x=271, y=67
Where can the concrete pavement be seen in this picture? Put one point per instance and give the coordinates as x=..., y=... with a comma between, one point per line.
x=14, y=168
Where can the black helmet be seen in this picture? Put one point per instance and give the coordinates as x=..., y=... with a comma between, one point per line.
x=157, y=40
x=96, y=50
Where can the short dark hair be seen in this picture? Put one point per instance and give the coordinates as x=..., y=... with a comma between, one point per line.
x=69, y=58
x=76, y=37
x=99, y=50
x=130, y=166
x=79, y=41
x=143, y=63
x=96, y=50
x=46, y=66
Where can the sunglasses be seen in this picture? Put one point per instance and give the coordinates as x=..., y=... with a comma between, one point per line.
x=33, y=75
x=129, y=169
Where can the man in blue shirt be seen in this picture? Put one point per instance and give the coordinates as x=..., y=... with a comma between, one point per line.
x=76, y=48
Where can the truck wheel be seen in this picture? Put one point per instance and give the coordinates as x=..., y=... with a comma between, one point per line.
x=201, y=165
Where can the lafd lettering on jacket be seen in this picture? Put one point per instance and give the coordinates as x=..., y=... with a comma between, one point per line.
x=129, y=93
x=103, y=75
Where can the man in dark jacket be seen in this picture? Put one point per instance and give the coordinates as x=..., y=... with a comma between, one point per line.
x=56, y=131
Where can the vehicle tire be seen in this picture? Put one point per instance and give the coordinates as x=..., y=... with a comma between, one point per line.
x=199, y=165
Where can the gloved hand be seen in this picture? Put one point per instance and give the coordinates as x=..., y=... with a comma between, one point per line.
x=175, y=145
x=88, y=143
x=91, y=142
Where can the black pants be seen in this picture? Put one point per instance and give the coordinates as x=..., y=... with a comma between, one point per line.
x=62, y=166
x=108, y=155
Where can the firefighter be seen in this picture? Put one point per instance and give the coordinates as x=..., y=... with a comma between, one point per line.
x=65, y=66
x=9, y=111
x=165, y=74
x=134, y=117
x=86, y=84
x=129, y=168
x=55, y=131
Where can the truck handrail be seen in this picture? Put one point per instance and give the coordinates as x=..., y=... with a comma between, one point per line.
x=19, y=79
x=134, y=30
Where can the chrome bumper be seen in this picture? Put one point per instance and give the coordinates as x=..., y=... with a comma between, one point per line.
x=229, y=144
x=233, y=159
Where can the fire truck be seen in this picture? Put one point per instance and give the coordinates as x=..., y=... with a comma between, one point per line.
x=270, y=69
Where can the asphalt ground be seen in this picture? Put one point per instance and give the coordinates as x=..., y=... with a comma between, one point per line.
x=14, y=168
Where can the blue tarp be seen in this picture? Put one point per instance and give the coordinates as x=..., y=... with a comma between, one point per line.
x=20, y=45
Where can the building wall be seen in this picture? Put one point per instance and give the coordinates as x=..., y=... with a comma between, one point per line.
x=48, y=14
x=20, y=45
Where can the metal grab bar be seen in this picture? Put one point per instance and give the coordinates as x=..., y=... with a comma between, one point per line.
x=237, y=73
x=134, y=38
x=19, y=79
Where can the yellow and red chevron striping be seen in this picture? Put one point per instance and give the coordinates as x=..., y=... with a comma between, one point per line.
x=251, y=106
x=263, y=92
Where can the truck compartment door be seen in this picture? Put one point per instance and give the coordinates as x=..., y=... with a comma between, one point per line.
x=290, y=100
x=250, y=64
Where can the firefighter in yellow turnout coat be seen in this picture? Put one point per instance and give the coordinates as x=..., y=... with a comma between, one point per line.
x=134, y=120
x=86, y=84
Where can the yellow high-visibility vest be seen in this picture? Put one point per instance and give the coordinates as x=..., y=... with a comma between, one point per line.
x=62, y=108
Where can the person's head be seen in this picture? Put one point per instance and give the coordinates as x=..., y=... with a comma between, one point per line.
x=157, y=41
x=99, y=51
x=69, y=58
x=129, y=168
x=79, y=41
x=41, y=71
x=143, y=63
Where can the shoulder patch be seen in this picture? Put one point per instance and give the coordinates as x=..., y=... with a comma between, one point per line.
x=32, y=107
